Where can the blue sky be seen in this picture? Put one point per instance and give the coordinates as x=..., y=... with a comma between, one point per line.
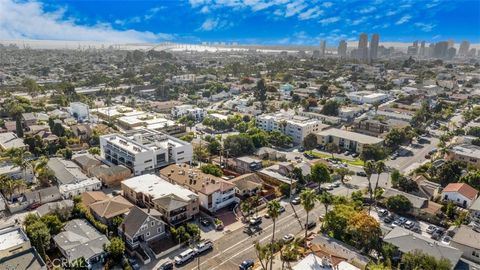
x=243, y=21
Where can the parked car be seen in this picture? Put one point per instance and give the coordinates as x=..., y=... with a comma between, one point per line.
x=205, y=222
x=134, y=264
x=296, y=201
x=388, y=219
x=362, y=174
x=288, y=237
x=247, y=264
x=355, y=155
x=251, y=229
x=431, y=229
x=409, y=224
x=308, y=156
x=446, y=240
x=203, y=246
x=185, y=256
x=330, y=187
x=166, y=266
x=255, y=221
x=281, y=209
x=382, y=212
x=336, y=184
x=399, y=222
x=311, y=225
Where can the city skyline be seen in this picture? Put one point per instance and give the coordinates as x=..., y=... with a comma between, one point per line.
x=286, y=22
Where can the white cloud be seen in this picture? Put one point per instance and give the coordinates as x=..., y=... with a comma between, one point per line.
x=367, y=10
x=294, y=8
x=330, y=20
x=28, y=20
x=358, y=21
x=391, y=13
x=311, y=13
x=425, y=27
x=404, y=19
x=212, y=24
x=205, y=9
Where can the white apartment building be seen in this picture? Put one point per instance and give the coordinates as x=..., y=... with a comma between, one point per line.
x=144, y=150
x=296, y=127
x=368, y=97
x=182, y=110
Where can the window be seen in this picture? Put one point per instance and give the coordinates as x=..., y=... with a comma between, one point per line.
x=148, y=161
x=153, y=223
x=148, y=234
x=159, y=230
x=181, y=152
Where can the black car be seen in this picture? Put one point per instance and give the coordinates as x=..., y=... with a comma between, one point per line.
x=308, y=156
x=389, y=219
x=205, y=222
x=166, y=266
x=361, y=173
x=311, y=225
x=247, y=264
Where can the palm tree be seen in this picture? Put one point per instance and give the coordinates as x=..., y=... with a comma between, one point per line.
x=343, y=172
x=255, y=201
x=39, y=166
x=18, y=156
x=307, y=198
x=246, y=207
x=379, y=169
x=369, y=169
x=273, y=210
x=263, y=253
x=326, y=199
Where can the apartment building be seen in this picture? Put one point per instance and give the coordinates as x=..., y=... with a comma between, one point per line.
x=16, y=251
x=183, y=110
x=346, y=139
x=468, y=153
x=175, y=203
x=144, y=150
x=370, y=127
x=296, y=127
x=368, y=97
x=214, y=192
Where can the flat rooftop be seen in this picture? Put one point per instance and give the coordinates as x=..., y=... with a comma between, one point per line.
x=11, y=237
x=352, y=136
x=157, y=187
x=467, y=150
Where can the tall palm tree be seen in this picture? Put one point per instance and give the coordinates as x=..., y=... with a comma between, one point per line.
x=369, y=168
x=255, y=201
x=273, y=210
x=326, y=199
x=246, y=208
x=307, y=198
x=18, y=156
x=380, y=167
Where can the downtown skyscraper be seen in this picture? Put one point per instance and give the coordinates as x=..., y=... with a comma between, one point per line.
x=323, y=46
x=342, y=49
x=362, y=50
x=374, y=46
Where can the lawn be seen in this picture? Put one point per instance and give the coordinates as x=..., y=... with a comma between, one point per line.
x=353, y=162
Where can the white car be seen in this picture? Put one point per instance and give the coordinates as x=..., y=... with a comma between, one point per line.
x=184, y=256
x=203, y=246
x=288, y=237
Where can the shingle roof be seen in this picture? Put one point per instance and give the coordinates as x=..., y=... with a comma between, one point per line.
x=466, y=236
x=135, y=219
x=80, y=239
x=462, y=188
x=90, y=197
x=247, y=181
x=111, y=207
x=408, y=241
x=66, y=172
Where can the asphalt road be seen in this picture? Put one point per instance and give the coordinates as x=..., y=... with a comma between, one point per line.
x=235, y=247
x=406, y=164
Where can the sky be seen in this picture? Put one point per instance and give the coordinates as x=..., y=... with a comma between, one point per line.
x=281, y=22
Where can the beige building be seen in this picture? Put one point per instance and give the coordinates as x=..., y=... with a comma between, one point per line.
x=214, y=192
x=111, y=175
x=175, y=203
x=468, y=241
x=16, y=252
x=346, y=139
x=468, y=153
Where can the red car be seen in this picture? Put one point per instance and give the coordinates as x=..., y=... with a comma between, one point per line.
x=34, y=206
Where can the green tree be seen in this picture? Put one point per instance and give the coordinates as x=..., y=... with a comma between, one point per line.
x=450, y=172
x=332, y=148
x=307, y=198
x=260, y=92
x=330, y=108
x=373, y=152
x=94, y=151
x=116, y=248
x=319, y=173
x=419, y=260
x=399, y=204
x=40, y=236
x=472, y=178
x=343, y=172
x=310, y=142
x=54, y=224
x=238, y=145
x=212, y=169
x=326, y=199
x=200, y=153
x=214, y=147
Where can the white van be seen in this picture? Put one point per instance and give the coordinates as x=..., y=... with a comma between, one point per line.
x=184, y=256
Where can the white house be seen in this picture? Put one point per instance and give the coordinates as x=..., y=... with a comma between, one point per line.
x=368, y=97
x=186, y=109
x=460, y=193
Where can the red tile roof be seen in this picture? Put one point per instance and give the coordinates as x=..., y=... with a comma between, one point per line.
x=462, y=188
